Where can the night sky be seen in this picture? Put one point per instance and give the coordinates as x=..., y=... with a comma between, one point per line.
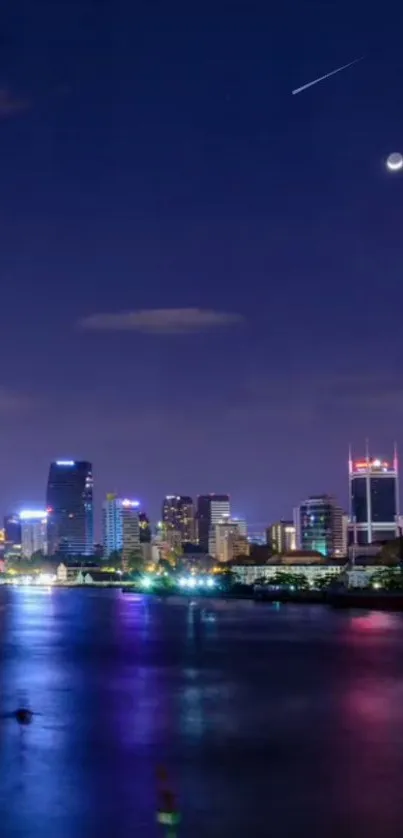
x=153, y=158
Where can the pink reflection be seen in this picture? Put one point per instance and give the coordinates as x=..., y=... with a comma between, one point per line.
x=370, y=737
x=374, y=621
x=375, y=703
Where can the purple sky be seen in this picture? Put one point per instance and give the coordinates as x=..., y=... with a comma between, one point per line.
x=152, y=157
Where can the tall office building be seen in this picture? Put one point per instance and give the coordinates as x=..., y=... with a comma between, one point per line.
x=319, y=526
x=210, y=510
x=33, y=532
x=281, y=537
x=227, y=541
x=121, y=526
x=145, y=528
x=12, y=533
x=178, y=516
x=70, y=508
x=374, y=500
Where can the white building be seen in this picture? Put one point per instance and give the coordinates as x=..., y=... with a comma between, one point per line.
x=121, y=526
x=33, y=532
x=219, y=509
x=227, y=540
x=357, y=577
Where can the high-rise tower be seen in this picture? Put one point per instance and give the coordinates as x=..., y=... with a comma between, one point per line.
x=374, y=499
x=70, y=508
x=319, y=526
x=178, y=516
x=211, y=509
x=121, y=525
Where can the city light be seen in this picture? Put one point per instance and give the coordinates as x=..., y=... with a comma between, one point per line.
x=146, y=582
x=133, y=504
x=65, y=462
x=45, y=579
x=191, y=582
x=33, y=514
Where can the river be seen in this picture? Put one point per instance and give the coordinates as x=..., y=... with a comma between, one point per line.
x=271, y=721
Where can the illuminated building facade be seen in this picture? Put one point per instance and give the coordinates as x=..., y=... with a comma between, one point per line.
x=374, y=500
x=178, y=516
x=69, y=501
x=319, y=526
x=210, y=510
x=33, y=532
x=228, y=541
x=121, y=525
x=12, y=535
x=281, y=537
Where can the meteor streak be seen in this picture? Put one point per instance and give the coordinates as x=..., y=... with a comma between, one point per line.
x=321, y=78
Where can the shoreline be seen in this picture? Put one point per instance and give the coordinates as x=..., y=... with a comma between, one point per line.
x=365, y=600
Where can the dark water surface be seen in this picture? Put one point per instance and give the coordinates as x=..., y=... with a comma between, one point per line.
x=272, y=721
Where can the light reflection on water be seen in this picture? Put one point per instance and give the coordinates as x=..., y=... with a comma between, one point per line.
x=290, y=717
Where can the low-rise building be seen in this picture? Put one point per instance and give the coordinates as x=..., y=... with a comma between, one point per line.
x=68, y=573
x=356, y=577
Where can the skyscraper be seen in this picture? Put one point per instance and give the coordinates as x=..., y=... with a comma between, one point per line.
x=121, y=526
x=70, y=508
x=374, y=500
x=33, y=532
x=178, y=516
x=210, y=510
x=319, y=526
x=12, y=532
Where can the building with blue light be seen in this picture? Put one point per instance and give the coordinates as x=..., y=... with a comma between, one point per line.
x=319, y=525
x=69, y=501
x=121, y=526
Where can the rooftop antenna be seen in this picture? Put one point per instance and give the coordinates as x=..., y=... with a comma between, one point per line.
x=350, y=460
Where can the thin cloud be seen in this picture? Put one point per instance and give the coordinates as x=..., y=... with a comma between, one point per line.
x=160, y=321
x=12, y=404
x=10, y=105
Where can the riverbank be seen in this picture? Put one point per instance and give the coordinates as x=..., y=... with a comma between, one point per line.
x=366, y=599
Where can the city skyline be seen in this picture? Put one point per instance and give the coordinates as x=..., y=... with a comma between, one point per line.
x=354, y=468
x=173, y=217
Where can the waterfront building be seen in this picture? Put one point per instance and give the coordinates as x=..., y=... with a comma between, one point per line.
x=374, y=499
x=69, y=501
x=315, y=574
